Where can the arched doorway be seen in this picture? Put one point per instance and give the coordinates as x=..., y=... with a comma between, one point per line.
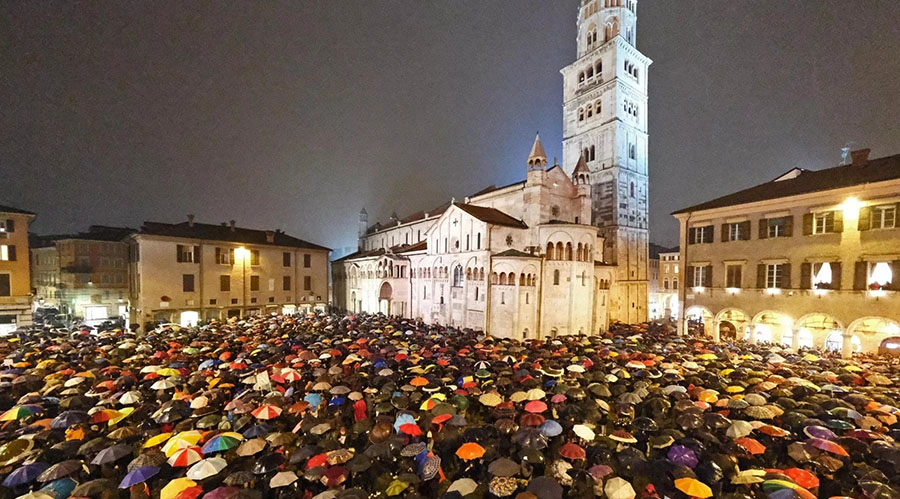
x=872, y=331
x=813, y=329
x=731, y=324
x=384, y=298
x=699, y=321
x=770, y=327
x=835, y=342
x=353, y=302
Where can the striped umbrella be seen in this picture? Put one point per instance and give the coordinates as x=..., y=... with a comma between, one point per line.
x=185, y=457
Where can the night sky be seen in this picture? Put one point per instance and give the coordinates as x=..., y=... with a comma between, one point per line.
x=295, y=115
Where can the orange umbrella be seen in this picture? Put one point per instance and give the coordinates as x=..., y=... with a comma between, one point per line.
x=802, y=477
x=469, y=451
x=751, y=445
x=418, y=381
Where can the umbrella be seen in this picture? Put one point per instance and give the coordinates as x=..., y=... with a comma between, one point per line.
x=24, y=474
x=618, y=488
x=464, y=486
x=222, y=442
x=251, y=447
x=750, y=445
x=175, y=487
x=693, y=487
x=283, y=479
x=828, y=446
x=185, y=457
x=545, y=487
x=266, y=411
x=138, y=475
x=112, y=454
x=571, y=450
x=206, y=468
x=504, y=467
x=682, y=455
x=469, y=451
x=61, y=470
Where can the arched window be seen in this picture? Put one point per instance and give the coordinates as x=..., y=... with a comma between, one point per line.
x=632, y=189
x=494, y=278
x=593, y=153
x=468, y=274
x=581, y=77
x=481, y=274
x=522, y=280
x=590, y=72
x=632, y=151
x=512, y=279
x=560, y=252
x=478, y=241
x=569, y=251
x=556, y=277
x=549, y=251
x=597, y=107
x=503, y=278
x=587, y=154
x=533, y=280
x=580, y=114
x=457, y=276
x=579, y=253
x=598, y=68
x=590, y=110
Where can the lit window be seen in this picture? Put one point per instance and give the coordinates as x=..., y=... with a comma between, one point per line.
x=880, y=275
x=778, y=227
x=702, y=277
x=823, y=222
x=884, y=217
x=738, y=231
x=733, y=276
x=774, y=276
x=822, y=276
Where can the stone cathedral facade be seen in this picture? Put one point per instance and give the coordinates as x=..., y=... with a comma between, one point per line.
x=563, y=252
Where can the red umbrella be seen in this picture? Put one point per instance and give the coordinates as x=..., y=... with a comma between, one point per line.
x=828, y=446
x=751, y=445
x=317, y=460
x=571, y=450
x=531, y=419
x=802, y=477
x=410, y=429
x=536, y=406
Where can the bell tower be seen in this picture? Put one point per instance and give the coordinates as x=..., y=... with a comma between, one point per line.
x=605, y=123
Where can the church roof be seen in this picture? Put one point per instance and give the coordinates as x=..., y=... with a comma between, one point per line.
x=492, y=216
x=514, y=253
x=537, y=155
x=809, y=181
x=581, y=166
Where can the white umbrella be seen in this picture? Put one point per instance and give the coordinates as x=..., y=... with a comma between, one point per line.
x=283, y=479
x=618, y=488
x=206, y=468
x=464, y=486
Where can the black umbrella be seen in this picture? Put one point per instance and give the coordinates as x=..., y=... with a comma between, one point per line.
x=112, y=454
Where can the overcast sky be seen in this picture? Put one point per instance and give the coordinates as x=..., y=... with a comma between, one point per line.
x=295, y=115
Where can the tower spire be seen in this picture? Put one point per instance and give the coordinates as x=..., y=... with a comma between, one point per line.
x=581, y=173
x=538, y=158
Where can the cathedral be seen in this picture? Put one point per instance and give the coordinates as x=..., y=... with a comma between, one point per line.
x=563, y=252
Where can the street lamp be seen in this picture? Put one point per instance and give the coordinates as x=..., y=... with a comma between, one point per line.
x=243, y=254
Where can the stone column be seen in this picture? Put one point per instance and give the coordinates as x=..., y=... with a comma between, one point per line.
x=795, y=340
x=846, y=345
x=752, y=334
x=715, y=331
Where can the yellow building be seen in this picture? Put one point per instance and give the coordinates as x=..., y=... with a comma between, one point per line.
x=15, y=274
x=811, y=258
x=187, y=272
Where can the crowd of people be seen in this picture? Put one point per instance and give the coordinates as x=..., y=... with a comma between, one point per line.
x=337, y=406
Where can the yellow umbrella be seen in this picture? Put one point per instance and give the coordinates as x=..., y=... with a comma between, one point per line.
x=734, y=389
x=182, y=440
x=693, y=487
x=168, y=371
x=157, y=440
x=123, y=413
x=175, y=487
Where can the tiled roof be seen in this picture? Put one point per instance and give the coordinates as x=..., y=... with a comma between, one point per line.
x=225, y=233
x=808, y=181
x=516, y=253
x=656, y=249
x=492, y=216
x=10, y=209
x=361, y=254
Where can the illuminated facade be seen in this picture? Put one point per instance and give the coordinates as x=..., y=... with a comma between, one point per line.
x=811, y=258
x=187, y=272
x=15, y=273
x=663, y=283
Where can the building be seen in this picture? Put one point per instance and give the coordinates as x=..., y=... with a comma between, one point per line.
x=663, y=270
x=667, y=293
x=516, y=261
x=564, y=251
x=84, y=275
x=189, y=271
x=15, y=273
x=810, y=258
x=605, y=120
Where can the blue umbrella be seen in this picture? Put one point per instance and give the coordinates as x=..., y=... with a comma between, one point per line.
x=314, y=399
x=551, y=428
x=68, y=419
x=137, y=476
x=257, y=430
x=402, y=420
x=25, y=474
x=337, y=401
x=60, y=489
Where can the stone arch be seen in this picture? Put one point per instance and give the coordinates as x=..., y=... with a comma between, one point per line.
x=769, y=326
x=873, y=330
x=551, y=250
x=699, y=320
x=731, y=324
x=569, y=251
x=813, y=330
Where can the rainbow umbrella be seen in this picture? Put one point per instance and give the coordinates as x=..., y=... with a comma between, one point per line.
x=222, y=442
x=784, y=489
x=21, y=412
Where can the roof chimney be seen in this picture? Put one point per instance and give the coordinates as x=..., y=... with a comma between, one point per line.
x=231, y=224
x=190, y=220
x=860, y=157
x=270, y=237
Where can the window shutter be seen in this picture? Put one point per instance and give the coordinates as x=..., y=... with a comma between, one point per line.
x=808, y=224
x=709, y=234
x=11, y=253
x=763, y=228
x=218, y=255
x=179, y=251
x=707, y=277
x=761, y=276
x=865, y=218
x=806, y=270
x=725, y=233
x=786, y=276
x=231, y=256
x=689, y=276
x=835, y=275
x=10, y=225
x=745, y=231
x=789, y=226
x=895, y=275
x=692, y=232
x=838, y=221
x=196, y=254
x=739, y=277
x=859, y=276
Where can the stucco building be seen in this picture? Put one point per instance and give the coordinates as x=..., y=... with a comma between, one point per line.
x=663, y=281
x=15, y=272
x=84, y=275
x=564, y=251
x=811, y=258
x=190, y=271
